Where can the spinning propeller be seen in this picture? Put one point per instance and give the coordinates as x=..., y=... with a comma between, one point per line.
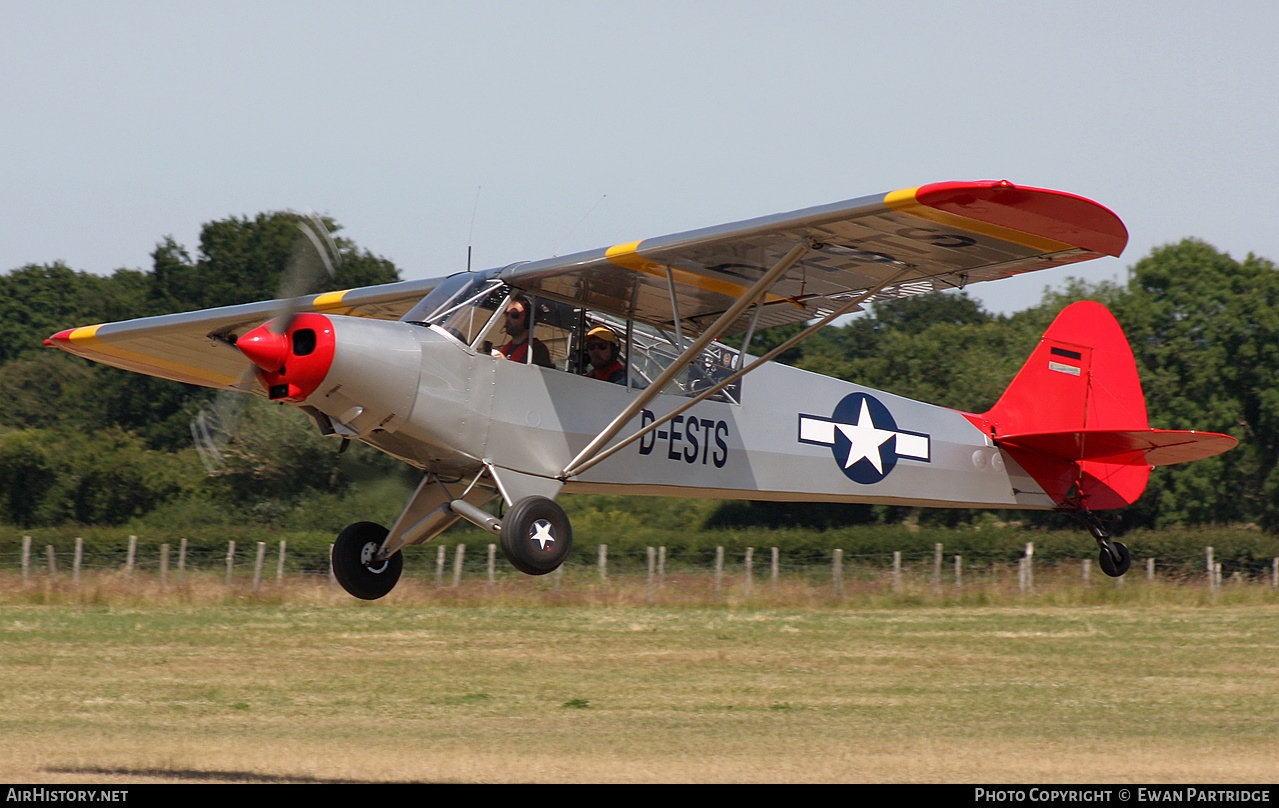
x=312, y=260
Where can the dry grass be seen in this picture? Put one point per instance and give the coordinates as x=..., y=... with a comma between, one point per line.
x=125, y=682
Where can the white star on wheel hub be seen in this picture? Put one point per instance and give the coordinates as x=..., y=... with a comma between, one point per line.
x=543, y=533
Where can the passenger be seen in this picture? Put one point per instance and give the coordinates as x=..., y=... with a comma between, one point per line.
x=517, y=316
x=603, y=350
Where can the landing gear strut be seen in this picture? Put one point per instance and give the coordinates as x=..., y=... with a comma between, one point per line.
x=1114, y=557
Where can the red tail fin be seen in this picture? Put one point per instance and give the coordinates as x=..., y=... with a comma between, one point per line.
x=1075, y=417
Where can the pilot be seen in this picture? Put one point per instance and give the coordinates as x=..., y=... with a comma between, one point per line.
x=517, y=316
x=603, y=349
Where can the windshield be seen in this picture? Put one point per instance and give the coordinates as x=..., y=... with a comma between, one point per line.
x=451, y=292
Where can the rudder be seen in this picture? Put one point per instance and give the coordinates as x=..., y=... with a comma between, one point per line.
x=1076, y=392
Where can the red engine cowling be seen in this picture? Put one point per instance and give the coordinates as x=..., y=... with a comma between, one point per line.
x=291, y=364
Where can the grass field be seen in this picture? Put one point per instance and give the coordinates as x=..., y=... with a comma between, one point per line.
x=114, y=684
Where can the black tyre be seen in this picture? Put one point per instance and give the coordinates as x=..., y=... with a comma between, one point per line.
x=536, y=537
x=354, y=566
x=1112, y=567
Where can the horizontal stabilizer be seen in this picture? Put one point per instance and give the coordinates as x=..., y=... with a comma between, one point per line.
x=1150, y=447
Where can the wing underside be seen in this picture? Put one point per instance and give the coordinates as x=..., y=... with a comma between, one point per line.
x=800, y=266
x=197, y=347
x=940, y=236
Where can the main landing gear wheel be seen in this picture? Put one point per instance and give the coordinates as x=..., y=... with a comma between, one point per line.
x=536, y=537
x=355, y=563
x=1117, y=563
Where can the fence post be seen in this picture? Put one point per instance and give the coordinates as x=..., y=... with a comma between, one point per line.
x=182, y=561
x=661, y=567
x=279, y=567
x=457, y=565
x=439, y=566
x=837, y=572
x=1030, y=565
x=164, y=564
x=230, y=561
x=648, y=584
x=959, y=573
x=1150, y=569
x=750, y=552
x=77, y=559
x=1274, y=573
x=601, y=561
x=53, y=561
x=492, y=565
x=133, y=552
x=719, y=568
x=257, y=566
x=1086, y=565
x=773, y=568
x=897, y=570
x=1212, y=575
x=26, y=558
x=937, y=568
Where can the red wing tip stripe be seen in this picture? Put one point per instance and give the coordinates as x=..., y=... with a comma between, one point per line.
x=1037, y=211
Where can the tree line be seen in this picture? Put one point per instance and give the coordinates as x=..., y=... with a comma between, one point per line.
x=82, y=443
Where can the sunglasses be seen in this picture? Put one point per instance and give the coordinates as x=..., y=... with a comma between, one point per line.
x=597, y=346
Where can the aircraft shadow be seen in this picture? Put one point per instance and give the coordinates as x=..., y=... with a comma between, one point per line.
x=218, y=776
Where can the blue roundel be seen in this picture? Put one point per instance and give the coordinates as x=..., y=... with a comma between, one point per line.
x=865, y=444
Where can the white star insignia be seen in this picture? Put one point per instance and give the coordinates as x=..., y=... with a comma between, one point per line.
x=865, y=439
x=542, y=533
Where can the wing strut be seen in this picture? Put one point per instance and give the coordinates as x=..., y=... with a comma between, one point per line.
x=581, y=463
x=721, y=324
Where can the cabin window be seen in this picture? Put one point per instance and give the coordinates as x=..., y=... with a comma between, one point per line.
x=471, y=308
x=654, y=349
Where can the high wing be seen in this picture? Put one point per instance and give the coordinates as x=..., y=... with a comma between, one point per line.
x=916, y=240
x=196, y=347
x=803, y=265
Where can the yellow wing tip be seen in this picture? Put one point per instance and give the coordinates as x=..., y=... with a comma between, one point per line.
x=901, y=199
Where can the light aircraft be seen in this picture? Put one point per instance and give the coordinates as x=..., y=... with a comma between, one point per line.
x=420, y=370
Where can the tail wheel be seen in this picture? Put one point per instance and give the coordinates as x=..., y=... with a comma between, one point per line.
x=356, y=565
x=1117, y=564
x=536, y=537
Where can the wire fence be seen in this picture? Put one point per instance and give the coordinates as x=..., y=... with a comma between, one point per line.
x=744, y=572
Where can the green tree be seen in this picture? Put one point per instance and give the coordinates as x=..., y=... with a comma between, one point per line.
x=275, y=452
x=41, y=299
x=1205, y=331
x=90, y=443
x=242, y=260
x=942, y=348
x=50, y=477
x=27, y=471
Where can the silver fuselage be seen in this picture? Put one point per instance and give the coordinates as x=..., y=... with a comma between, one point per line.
x=434, y=402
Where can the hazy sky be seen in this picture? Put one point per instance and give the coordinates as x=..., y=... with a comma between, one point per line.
x=538, y=128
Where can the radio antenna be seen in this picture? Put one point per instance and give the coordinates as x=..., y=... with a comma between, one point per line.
x=587, y=215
